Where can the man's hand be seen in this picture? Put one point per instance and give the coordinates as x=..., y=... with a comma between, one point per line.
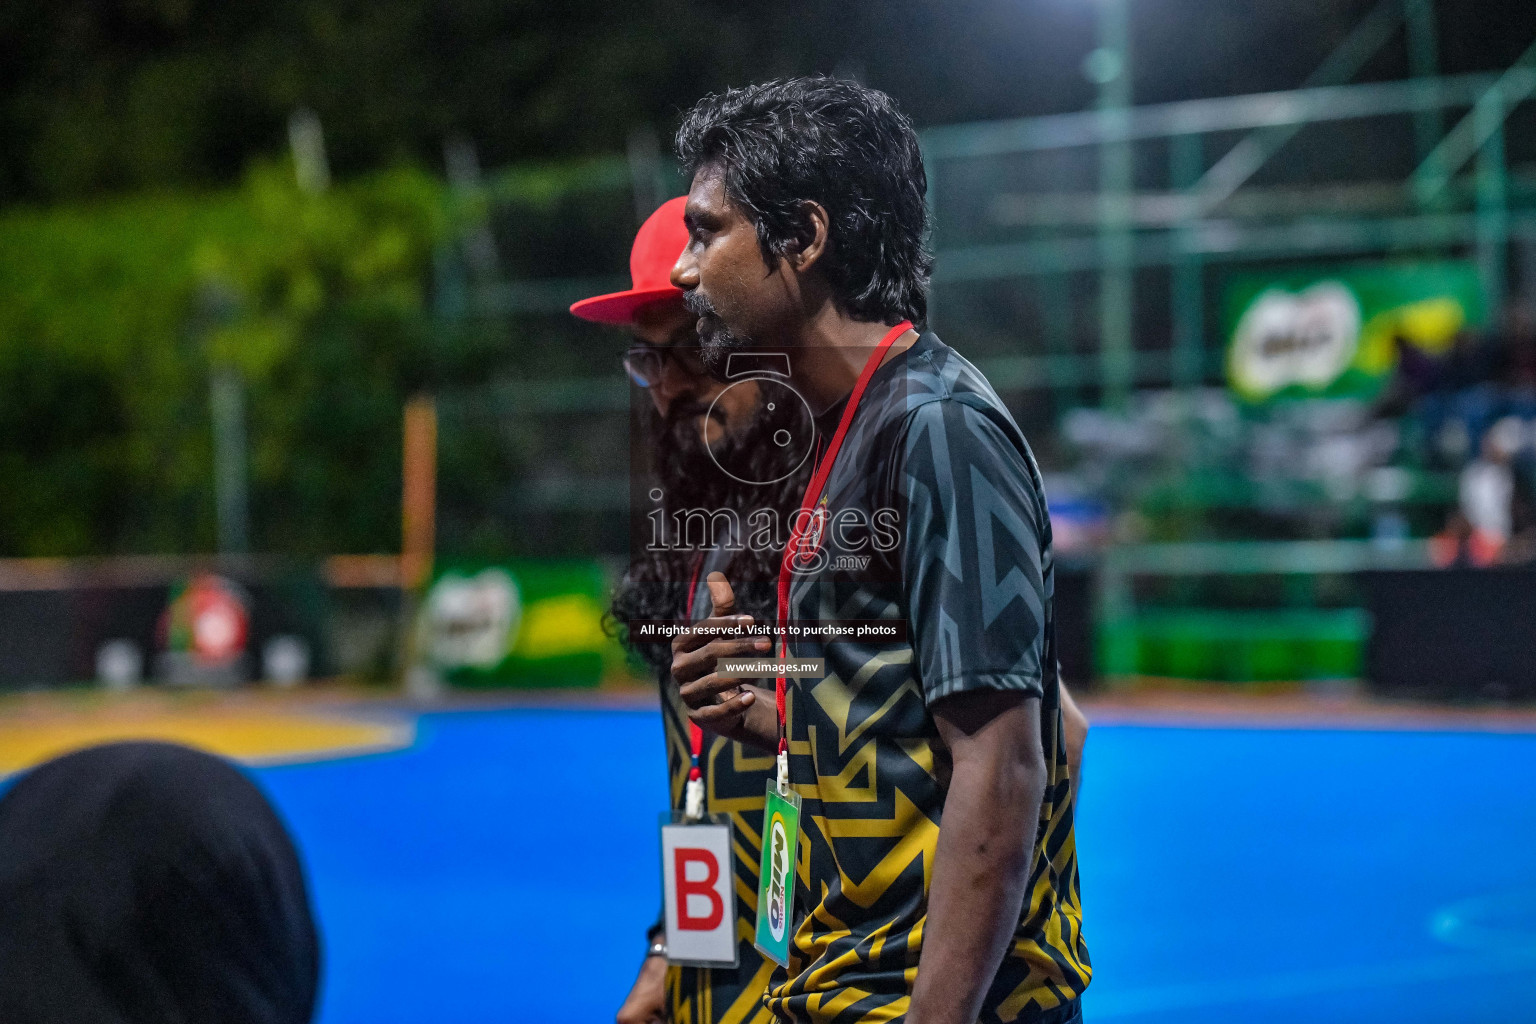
x=647, y=1001
x=985, y=850
x=723, y=706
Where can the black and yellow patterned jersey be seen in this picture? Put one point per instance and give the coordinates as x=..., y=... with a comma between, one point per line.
x=937, y=521
x=735, y=780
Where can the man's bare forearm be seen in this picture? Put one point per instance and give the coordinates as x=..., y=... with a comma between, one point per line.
x=980, y=874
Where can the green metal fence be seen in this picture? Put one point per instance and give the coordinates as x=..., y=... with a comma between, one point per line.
x=1080, y=257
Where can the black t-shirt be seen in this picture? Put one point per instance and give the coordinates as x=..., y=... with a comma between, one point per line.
x=935, y=520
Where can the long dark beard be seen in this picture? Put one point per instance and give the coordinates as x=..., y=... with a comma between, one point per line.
x=655, y=586
x=688, y=476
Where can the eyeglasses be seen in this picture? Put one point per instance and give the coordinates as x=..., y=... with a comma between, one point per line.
x=646, y=363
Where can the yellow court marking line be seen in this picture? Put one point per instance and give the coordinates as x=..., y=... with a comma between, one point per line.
x=253, y=736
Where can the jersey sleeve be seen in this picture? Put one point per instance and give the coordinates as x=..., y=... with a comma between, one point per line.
x=975, y=530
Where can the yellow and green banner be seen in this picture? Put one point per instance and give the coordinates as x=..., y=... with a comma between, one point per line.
x=1336, y=331
x=533, y=623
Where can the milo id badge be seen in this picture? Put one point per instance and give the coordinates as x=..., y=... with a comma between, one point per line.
x=776, y=879
x=699, y=889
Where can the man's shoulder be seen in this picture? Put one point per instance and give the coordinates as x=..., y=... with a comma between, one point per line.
x=955, y=418
x=937, y=394
x=940, y=381
x=936, y=372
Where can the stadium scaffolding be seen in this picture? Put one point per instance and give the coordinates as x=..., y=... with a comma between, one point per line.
x=995, y=222
x=1070, y=297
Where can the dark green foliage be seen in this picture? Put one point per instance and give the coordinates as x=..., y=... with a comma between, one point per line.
x=111, y=317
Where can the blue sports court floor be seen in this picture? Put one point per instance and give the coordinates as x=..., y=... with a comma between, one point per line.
x=504, y=867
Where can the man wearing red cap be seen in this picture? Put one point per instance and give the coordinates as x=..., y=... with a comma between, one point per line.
x=698, y=427
x=665, y=361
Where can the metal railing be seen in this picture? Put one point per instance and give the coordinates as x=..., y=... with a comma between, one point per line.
x=1211, y=213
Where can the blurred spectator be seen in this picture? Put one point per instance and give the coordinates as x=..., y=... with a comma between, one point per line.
x=1450, y=547
x=1483, y=522
x=145, y=882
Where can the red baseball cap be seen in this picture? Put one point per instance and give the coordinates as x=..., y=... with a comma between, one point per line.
x=658, y=244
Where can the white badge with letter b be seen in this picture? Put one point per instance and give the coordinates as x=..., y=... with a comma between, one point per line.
x=698, y=885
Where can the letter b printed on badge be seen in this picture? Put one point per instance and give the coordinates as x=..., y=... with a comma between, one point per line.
x=697, y=886
x=700, y=886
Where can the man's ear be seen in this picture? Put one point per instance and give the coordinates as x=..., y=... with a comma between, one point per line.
x=814, y=235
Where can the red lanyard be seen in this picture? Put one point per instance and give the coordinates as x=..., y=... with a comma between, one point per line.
x=807, y=505
x=695, y=734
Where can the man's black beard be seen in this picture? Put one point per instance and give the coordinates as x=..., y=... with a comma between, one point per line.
x=688, y=476
x=655, y=586
x=717, y=345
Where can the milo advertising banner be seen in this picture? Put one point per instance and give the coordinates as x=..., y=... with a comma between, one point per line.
x=1333, y=332
x=526, y=623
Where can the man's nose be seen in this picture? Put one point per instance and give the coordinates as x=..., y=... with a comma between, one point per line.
x=685, y=272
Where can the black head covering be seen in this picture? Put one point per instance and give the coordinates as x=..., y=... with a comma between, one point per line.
x=145, y=882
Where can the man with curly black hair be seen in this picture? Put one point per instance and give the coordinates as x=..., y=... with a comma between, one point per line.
x=697, y=431
x=938, y=881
